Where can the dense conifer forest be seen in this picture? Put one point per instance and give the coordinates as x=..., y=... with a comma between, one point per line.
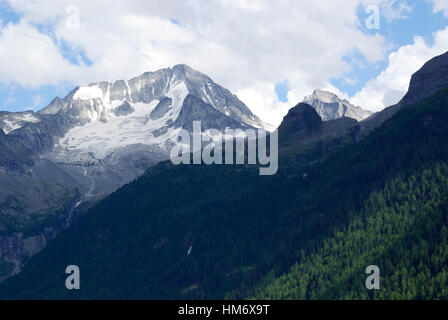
x=213, y=232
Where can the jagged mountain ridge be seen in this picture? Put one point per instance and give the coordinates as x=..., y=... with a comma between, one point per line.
x=123, y=107
x=96, y=101
x=95, y=121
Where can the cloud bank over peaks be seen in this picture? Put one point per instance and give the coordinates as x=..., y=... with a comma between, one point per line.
x=247, y=46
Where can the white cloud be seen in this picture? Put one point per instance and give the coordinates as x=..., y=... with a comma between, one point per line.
x=393, y=10
x=245, y=45
x=30, y=58
x=392, y=84
x=440, y=6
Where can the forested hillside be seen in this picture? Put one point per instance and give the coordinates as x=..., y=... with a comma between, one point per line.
x=403, y=229
x=308, y=232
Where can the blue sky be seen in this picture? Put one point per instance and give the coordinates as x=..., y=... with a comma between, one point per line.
x=16, y=97
x=421, y=21
x=263, y=52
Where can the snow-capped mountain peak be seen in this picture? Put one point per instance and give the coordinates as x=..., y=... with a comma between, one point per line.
x=97, y=101
x=143, y=110
x=105, y=134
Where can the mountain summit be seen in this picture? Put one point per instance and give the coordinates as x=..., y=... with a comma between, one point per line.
x=302, y=120
x=82, y=147
x=102, y=101
x=330, y=107
x=146, y=110
x=111, y=131
x=96, y=121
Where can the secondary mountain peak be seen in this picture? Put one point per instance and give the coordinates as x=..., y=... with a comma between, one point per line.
x=330, y=107
x=303, y=125
x=325, y=96
x=302, y=120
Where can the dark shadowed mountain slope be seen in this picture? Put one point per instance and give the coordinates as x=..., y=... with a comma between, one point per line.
x=301, y=121
x=302, y=126
x=432, y=77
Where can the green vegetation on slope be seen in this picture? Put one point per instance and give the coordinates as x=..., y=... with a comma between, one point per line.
x=403, y=229
x=245, y=231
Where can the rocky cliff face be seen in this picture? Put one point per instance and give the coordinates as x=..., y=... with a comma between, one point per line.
x=32, y=212
x=16, y=249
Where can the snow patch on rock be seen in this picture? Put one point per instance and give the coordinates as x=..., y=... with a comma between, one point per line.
x=88, y=93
